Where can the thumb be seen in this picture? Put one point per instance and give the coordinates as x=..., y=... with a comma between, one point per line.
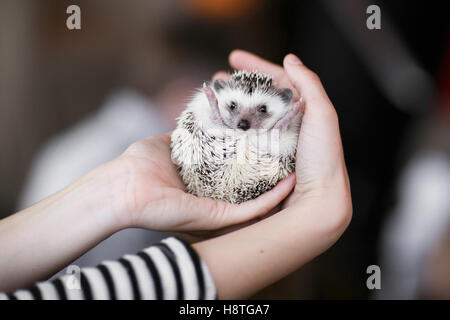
x=308, y=85
x=319, y=133
x=320, y=152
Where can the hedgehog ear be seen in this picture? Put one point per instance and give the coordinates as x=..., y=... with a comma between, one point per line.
x=285, y=95
x=219, y=85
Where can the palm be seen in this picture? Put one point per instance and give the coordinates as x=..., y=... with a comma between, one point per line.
x=154, y=182
x=156, y=197
x=152, y=160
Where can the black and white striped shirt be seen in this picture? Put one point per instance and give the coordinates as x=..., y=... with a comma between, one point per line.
x=170, y=270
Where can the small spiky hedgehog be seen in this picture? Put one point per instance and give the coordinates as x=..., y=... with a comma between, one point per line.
x=237, y=138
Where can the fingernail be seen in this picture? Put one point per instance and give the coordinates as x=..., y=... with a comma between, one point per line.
x=298, y=105
x=293, y=59
x=301, y=102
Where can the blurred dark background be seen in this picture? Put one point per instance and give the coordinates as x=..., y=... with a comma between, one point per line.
x=390, y=88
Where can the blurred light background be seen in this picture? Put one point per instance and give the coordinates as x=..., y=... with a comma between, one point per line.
x=70, y=100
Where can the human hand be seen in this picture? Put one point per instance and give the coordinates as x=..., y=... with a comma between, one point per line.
x=141, y=188
x=150, y=194
x=316, y=213
x=320, y=165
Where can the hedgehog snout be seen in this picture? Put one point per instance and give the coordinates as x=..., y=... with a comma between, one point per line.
x=244, y=124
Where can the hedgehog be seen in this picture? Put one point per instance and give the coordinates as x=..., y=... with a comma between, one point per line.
x=237, y=138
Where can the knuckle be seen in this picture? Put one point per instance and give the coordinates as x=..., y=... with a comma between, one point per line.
x=312, y=76
x=333, y=115
x=133, y=148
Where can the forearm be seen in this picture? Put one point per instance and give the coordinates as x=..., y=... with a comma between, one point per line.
x=245, y=261
x=40, y=240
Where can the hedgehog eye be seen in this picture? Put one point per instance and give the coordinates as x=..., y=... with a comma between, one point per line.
x=262, y=109
x=232, y=105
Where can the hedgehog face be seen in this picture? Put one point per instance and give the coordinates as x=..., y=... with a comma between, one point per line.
x=251, y=108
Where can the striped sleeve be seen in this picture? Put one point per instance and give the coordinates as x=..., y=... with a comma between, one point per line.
x=168, y=270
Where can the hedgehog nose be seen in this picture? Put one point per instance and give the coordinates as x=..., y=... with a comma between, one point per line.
x=244, y=125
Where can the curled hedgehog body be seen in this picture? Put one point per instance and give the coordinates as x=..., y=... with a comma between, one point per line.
x=236, y=139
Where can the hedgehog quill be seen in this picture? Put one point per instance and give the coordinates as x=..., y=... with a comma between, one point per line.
x=237, y=139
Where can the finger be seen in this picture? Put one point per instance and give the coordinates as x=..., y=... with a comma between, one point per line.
x=284, y=122
x=239, y=213
x=240, y=59
x=308, y=83
x=220, y=75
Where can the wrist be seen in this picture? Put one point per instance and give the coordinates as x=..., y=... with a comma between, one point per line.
x=330, y=200
x=99, y=196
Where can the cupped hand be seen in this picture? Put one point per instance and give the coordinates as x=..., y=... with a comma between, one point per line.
x=321, y=173
x=150, y=194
